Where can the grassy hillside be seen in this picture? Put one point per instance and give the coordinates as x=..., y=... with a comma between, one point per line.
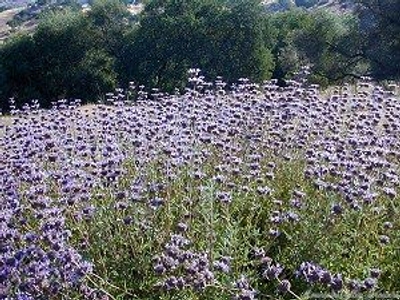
x=6, y=16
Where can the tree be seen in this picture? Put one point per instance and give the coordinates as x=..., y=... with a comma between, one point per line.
x=73, y=64
x=380, y=29
x=109, y=21
x=284, y=26
x=94, y=75
x=62, y=39
x=247, y=54
x=18, y=63
x=220, y=37
x=330, y=43
x=327, y=42
x=62, y=59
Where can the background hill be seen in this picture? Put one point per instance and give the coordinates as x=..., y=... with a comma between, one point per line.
x=339, y=6
x=15, y=3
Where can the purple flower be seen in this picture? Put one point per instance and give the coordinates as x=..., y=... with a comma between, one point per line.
x=337, y=282
x=370, y=283
x=272, y=272
x=375, y=273
x=384, y=239
x=284, y=286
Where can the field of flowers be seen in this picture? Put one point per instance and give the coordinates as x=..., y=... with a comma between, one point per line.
x=246, y=192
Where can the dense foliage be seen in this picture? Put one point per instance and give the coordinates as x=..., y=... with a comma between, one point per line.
x=380, y=29
x=325, y=41
x=64, y=57
x=220, y=37
x=252, y=192
x=75, y=54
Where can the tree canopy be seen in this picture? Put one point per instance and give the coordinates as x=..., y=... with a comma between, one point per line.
x=380, y=29
x=220, y=37
x=65, y=57
x=76, y=54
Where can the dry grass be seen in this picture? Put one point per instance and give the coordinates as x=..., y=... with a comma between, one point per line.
x=6, y=16
x=6, y=120
x=87, y=110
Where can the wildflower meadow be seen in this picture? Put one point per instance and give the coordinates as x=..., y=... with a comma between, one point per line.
x=243, y=191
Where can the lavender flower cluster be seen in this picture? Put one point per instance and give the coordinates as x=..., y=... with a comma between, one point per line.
x=196, y=270
x=35, y=261
x=313, y=273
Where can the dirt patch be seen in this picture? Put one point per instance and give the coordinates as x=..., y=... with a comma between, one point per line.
x=135, y=8
x=6, y=16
